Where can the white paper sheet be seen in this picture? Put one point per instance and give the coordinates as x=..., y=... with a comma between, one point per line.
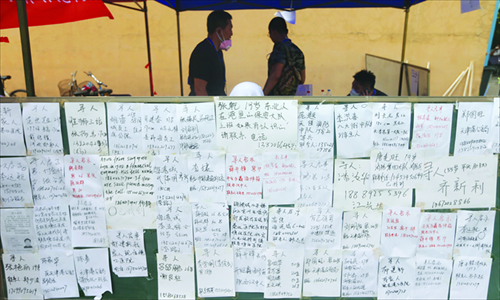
x=160, y=128
x=92, y=271
x=391, y=125
x=287, y=227
x=316, y=129
x=361, y=229
x=23, y=272
x=215, y=272
x=128, y=256
x=57, y=274
x=15, y=187
x=207, y=173
x=244, y=175
x=396, y=169
x=473, y=128
x=474, y=236
x=170, y=179
x=470, y=278
x=127, y=212
x=414, y=82
x=175, y=228
x=82, y=177
x=432, y=125
x=175, y=276
x=249, y=223
x=323, y=228
x=352, y=188
x=432, y=280
x=18, y=233
x=494, y=139
x=11, y=131
x=396, y=278
x=88, y=224
x=353, y=130
x=437, y=234
x=52, y=227
x=247, y=125
x=124, y=128
x=86, y=127
x=211, y=225
x=196, y=126
x=42, y=128
x=322, y=269
x=400, y=236
x=47, y=179
x=358, y=273
x=281, y=173
x=249, y=269
x=458, y=182
x=316, y=182
x=284, y=273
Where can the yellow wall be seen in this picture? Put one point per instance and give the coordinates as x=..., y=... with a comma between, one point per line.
x=334, y=42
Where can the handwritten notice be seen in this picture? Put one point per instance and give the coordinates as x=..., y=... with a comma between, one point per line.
x=470, y=278
x=316, y=131
x=281, y=177
x=11, y=131
x=322, y=268
x=57, y=274
x=42, y=128
x=248, y=125
x=358, y=269
x=287, y=227
x=82, y=177
x=249, y=269
x=361, y=229
x=52, y=226
x=160, y=129
x=473, y=128
x=249, y=223
x=391, y=125
x=175, y=228
x=396, y=169
x=211, y=225
x=86, y=125
x=88, y=224
x=47, y=179
x=128, y=257
x=15, y=187
x=352, y=188
x=494, y=140
x=284, y=273
x=396, y=278
x=124, y=128
x=316, y=182
x=432, y=280
x=175, y=276
x=23, y=276
x=212, y=265
x=170, y=179
x=474, y=235
x=323, y=228
x=196, y=126
x=437, y=233
x=18, y=234
x=400, y=236
x=92, y=271
x=243, y=175
x=432, y=125
x=353, y=130
x=207, y=173
x=458, y=182
x=124, y=212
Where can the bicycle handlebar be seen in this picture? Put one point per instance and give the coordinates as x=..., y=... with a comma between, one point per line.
x=96, y=80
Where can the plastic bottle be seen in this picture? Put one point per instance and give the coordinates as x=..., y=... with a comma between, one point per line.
x=308, y=93
x=322, y=92
x=329, y=93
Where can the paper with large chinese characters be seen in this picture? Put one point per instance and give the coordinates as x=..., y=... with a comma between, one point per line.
x=353, y=130
x=396, y=169
x=47, y=179
x=396, y=278
x=432, y=125
x=358, y=273
x=249, y=269
x=92, y=271
x=128, y=256
x=494, y=141
x=432, y=280
x=322, y=270
x=244, y=175
x=249, y=222
x=391, y=125
x=437, y=235
x=23, y=272
x=284, y=273
x=211, y=225
x=124, y=128
x=473, y=128
x=88, y=224
x=247, y=125
x=160, y=128
x=400, y=236
x=287, y=227
x=15, y=187
x=58, y=274
x=11, y=131
x=474, y=236
x=170, y=179
x=470, y=278
x=124, y=212
x=175, y=275
x=52, y=227
x=352, y=188
x=175, y=228
x=18, y=233
x=281, y=172
x=316, y=131
x=361, y=229
x=42, y=128
x=215, y=272
x=323, y=228
x=86, y=127
x=458, y=182
x=82, y=177
x=196, y=126
x=206, y=170
x=316, y=181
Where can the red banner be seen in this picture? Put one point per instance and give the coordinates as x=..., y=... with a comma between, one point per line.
x=47, y=12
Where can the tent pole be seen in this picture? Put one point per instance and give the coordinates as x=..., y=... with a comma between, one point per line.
x=149, y=49
x=26, y=47
x=179, y=47
x=405, y=33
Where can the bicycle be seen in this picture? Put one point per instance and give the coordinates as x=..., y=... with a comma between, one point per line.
x=14, y=93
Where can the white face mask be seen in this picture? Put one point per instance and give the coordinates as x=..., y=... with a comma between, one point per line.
x=353, y=93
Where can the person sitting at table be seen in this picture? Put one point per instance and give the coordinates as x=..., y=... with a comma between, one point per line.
x=364, y=85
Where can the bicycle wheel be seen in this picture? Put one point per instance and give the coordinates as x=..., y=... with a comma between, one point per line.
x=19, y=93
